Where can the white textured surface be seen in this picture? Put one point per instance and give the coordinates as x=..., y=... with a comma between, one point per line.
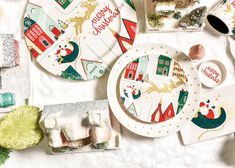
x=16, y=79
x=18, y=83
x=137, y=152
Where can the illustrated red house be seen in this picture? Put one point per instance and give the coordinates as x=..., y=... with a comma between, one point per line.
x=34, y=53
x=169, y=113
x=130, y=72
x=140, y=76
x=157, y=116
x=131, y=30
x=56, y=32
x=179, y=72
x=37, y=36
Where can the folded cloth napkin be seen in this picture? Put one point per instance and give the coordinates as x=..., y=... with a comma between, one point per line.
x=9, y=51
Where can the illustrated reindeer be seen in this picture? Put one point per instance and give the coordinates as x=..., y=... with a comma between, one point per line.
x=90, y=5
x=167, y=87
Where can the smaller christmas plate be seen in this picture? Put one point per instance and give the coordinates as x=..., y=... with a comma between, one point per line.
x=157, y=90
x=212, y=73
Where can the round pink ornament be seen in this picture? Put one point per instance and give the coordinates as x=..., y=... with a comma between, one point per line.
x=197, y=52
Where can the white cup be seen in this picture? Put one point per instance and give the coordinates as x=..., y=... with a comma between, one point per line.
x=222, y=17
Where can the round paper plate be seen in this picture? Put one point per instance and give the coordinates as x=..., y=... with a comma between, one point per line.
x=154, y=90
x=79, y=39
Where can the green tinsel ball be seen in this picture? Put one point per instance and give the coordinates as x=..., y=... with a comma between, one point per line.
x=20, y=128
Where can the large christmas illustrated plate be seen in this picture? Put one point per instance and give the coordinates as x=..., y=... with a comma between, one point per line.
x=157, y=90
x=79, y=40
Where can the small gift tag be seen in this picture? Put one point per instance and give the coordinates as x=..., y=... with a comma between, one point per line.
x=215, y=117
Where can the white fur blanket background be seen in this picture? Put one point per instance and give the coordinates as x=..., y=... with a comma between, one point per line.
x=136, y=152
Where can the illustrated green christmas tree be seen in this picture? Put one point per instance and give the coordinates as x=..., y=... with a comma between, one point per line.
x=71, y=74
x=129, y=2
